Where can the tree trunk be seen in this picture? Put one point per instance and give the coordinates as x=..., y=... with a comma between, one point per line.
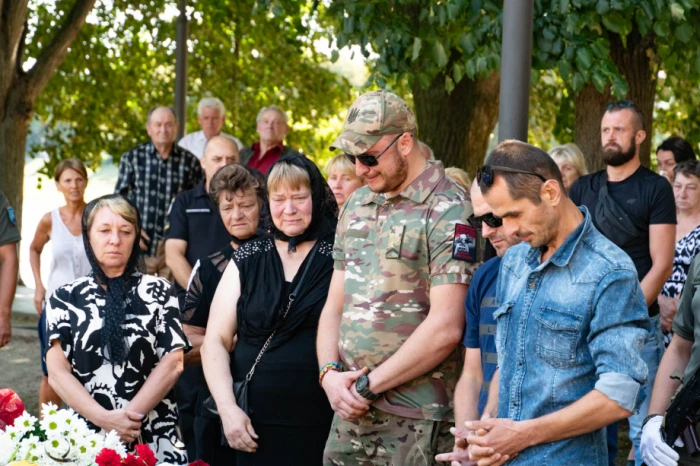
x=634, y=64
x=457, y=126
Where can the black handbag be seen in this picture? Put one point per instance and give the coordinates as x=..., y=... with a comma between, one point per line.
x=240, y=389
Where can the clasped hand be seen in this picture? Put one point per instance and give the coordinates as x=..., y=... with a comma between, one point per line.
x=344, y=399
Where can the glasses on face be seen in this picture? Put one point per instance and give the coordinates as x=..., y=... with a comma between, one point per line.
x=620, y=104
x=489, y=219
x=371, y=160
x=486, y=174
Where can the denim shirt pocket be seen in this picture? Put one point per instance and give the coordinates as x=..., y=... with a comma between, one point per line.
x=502, y=317
x=557, y=336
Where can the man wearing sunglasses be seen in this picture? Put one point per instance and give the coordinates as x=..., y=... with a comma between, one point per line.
x=635, y=209
x=480, y=359
x=571, y=322
x=394, y=314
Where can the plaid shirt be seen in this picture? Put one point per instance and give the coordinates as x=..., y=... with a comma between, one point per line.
x=151, y=183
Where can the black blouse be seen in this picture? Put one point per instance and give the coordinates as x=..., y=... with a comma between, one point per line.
x=284, y=389
x=206, y=276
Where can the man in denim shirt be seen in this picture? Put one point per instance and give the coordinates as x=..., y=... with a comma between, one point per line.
x=571, y=322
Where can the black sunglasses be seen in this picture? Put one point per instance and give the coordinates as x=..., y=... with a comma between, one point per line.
x=485, y=174
x=620, y=104
x=371, y=160
x=489, y=219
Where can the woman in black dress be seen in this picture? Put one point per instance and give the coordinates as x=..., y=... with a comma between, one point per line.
x=290, y=414
x=115, y=339
x=239, y=193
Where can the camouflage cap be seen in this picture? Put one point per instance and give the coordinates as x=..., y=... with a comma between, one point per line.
x=372, y=116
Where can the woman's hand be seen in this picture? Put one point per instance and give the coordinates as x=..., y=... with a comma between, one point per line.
x=125, y=423
x=39, y=296
x=668, y=308
x=239, y=430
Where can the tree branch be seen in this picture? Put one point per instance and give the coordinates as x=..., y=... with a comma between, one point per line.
x=52, y=56
x=20, y=48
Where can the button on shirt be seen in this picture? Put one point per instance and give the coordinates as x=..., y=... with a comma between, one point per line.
x=195, y=142
x=393, y=251
x=574, y=323
x=151, y=183
x=195, y=218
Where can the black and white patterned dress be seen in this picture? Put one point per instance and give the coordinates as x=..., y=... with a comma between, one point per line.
x=686, y=249
x=75, y=319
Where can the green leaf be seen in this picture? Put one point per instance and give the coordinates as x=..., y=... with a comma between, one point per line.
x=578, y=82
x=334, y=56
x=439, y=55
x=417, y=44
x=619, y=87
x=565, y=69
x=617, y=23
x=481, y=65
x=648, y=11
x=661, y=28
x=457, y=72
x=442, y=15
x=684, y=33
x=452, y=11
x=602, y=7
x=677, y=11
x=599, y=81
x=563, y=6
x=601, y=48
x=466, y=43
x=584, y=58
x=349, y=25
x=449, y=84
x=471, y=68
x=277, y=11
x=697, y=60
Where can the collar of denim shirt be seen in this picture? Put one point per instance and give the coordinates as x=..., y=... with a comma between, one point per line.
x=562, y=255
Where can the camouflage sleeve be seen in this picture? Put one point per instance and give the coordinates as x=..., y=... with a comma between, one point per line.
x=444, y=269
x=339, y=243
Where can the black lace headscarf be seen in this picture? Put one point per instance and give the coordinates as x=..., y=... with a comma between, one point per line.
x=117, y=304
x=324, y=214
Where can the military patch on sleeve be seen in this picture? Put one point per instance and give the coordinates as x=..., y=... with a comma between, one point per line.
x=464, y=243
x=11, y=215
x=393, y=250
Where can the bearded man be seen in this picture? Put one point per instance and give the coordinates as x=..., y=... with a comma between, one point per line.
x=634, y=208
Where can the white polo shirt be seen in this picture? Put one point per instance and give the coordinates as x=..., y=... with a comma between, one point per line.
x=195, y=142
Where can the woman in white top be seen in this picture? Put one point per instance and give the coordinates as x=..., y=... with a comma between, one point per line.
x=61, y=226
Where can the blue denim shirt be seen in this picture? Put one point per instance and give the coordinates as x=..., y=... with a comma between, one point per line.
x=571, y=324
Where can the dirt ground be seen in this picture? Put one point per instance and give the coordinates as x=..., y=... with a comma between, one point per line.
x=20, y=370
x=20, y=367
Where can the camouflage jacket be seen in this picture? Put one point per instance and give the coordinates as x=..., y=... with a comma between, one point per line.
x=392, y=252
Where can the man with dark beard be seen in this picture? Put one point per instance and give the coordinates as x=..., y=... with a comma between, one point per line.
x=634, y=208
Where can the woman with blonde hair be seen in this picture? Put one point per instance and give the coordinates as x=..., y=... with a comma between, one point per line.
x=342, y=178
x=62, y=227
x=115, y=339
x=571, y=162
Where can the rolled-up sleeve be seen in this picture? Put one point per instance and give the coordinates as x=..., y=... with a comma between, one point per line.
x=619, y=327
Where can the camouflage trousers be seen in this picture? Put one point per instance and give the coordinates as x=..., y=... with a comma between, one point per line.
x=383, y=439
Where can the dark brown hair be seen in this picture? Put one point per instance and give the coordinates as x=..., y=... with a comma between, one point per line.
x=234, y=177
x=73, y=164
x=517, y=154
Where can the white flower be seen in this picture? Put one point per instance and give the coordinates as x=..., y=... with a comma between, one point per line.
x=48, y=409
x=113, y=442
x=15, y=434
x=53, y=426
x=26, y=421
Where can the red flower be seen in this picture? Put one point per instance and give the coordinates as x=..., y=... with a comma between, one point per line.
x=11, y=407
x=198, y=463
x=108, y=457
x=132, y=460
x=146, y=454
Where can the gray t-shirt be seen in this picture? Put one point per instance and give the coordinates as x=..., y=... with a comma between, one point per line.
x=686, y=324
x=9, y=233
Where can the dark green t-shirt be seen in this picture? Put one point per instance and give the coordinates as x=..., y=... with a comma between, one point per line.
x=9, y=233
x=687, y=321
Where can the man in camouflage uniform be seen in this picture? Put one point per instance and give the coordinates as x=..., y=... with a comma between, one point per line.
x=394, y=314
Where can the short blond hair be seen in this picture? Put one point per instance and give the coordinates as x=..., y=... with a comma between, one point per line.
x=341, y=162
x=119, y=206
x=570, y=153
x=459, y=176
x=285, y=174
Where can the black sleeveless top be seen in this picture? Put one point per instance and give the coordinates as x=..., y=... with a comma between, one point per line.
x=284, y=389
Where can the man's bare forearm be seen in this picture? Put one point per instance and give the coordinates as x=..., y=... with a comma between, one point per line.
x=466, y=400
x=196, y=336
x=180, y=267
x=653, y=282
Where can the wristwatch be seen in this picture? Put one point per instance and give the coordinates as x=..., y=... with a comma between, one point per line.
x=362, y=387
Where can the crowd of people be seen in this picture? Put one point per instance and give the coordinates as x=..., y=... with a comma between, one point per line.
x=229, y=304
